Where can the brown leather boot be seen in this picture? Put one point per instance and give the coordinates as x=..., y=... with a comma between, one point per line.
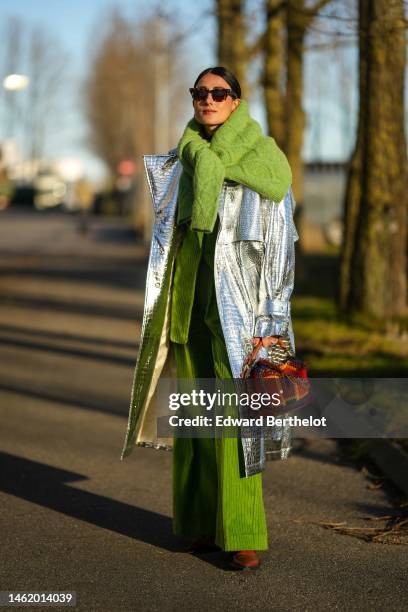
x=203, y=545
x=245, y=560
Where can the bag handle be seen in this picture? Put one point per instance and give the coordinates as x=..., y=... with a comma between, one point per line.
x=277, y=340
x=252, y=356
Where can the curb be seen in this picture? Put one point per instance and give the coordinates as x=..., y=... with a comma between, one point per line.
x=392, y=461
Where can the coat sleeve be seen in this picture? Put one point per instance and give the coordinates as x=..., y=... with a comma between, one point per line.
x=278, y=270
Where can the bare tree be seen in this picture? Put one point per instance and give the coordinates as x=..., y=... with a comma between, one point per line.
x=132, y=95
x=118, y=93
x=275, y=70
x=133, y=80
x=31, y=114
x=46, y=66
x=12, y=59
x=298, y=20
x=373, y=278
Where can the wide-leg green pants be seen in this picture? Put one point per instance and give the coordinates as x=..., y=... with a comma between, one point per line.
x=211, y=497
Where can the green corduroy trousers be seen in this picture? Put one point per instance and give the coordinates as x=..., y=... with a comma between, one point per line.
x=211, y=497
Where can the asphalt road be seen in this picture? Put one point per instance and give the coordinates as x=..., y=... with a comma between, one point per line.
x=73, y=517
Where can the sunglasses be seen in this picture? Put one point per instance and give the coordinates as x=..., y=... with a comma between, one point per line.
x=219, y=94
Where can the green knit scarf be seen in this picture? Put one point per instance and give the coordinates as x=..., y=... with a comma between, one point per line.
x=238, y=151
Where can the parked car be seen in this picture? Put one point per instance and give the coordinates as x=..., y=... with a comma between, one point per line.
x=23, y=195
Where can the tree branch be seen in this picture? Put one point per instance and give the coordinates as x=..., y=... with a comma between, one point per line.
x=313, y=10
x=257, y=46
x=272, y=12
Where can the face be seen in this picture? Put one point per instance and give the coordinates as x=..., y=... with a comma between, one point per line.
x=209, y=113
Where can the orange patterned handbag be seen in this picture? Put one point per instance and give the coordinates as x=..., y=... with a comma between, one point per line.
x=281, y=372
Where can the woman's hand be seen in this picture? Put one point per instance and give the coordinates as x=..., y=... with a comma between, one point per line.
x=266, y=341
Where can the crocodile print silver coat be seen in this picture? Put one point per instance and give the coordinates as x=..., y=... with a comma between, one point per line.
x=254, y=276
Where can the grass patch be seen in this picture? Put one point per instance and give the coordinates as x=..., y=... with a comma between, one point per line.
x=332, y=346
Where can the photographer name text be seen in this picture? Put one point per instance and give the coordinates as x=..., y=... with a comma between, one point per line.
x=259, y=421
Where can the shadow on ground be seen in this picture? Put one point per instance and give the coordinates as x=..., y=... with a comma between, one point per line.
x=54, y=488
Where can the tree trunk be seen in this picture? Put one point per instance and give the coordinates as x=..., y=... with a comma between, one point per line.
x=232, y=48
x=297, y=22
x=352, y=196
x=373, y=271
x=274, y=68
x=286, y=117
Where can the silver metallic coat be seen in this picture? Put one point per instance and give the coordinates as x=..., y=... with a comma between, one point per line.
x=254, y=276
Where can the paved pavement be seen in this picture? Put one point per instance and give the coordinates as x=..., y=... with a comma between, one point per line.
x=75, y=517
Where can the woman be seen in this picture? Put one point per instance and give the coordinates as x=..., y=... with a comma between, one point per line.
x=219, y=280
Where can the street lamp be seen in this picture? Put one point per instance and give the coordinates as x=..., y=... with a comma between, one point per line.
x=12, y=83
x=15, y=82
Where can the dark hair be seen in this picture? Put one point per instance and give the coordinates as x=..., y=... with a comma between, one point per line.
x=226, y=74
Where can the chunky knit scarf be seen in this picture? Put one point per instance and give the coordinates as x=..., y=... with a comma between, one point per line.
x=238, y=151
